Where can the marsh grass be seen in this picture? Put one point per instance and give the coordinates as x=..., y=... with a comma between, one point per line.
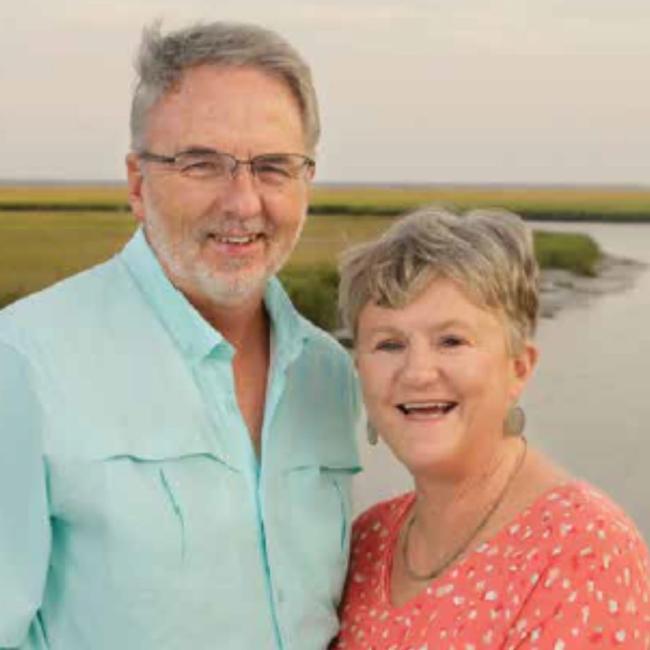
x=562, y=203
x=575, y=252
x=38, y=248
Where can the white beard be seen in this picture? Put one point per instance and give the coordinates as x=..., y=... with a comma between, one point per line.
x=230, y=284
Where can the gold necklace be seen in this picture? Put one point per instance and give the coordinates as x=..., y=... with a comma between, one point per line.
x=422, y=577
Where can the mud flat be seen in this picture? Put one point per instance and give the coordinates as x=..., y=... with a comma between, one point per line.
x=560, y=289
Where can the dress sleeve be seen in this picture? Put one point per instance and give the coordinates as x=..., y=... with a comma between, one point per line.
x=24, y=520
x=594, y=596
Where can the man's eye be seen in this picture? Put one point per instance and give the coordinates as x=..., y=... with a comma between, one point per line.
x=203, y=167
x=272, y=168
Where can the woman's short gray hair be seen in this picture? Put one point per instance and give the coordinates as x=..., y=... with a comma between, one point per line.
x=488, y=253
x=162, y=59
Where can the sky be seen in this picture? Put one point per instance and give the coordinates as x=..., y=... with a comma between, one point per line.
x=415, y=91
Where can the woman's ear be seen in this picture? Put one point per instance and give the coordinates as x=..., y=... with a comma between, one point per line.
x=524, y=363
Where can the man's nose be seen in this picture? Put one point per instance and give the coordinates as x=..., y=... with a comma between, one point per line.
x=241, y=196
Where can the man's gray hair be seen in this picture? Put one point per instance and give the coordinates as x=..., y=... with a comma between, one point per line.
x=488, y=253
x=163, y=58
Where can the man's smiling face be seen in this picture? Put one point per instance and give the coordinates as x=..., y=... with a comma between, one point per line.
x=219, y=241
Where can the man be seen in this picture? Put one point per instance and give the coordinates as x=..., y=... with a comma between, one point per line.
x=176, y=442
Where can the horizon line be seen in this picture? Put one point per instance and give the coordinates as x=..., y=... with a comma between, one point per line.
x=361, y=183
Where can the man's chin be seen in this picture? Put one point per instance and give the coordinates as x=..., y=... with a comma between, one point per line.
x=203, y=283
x=229, y=289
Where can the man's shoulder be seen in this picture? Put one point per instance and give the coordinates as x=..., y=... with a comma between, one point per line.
x=324, y=356
x=322, y=340
x=78, y=299
x=320, y=344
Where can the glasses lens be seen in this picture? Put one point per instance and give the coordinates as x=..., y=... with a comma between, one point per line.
x=205, y=165
x=276, y=169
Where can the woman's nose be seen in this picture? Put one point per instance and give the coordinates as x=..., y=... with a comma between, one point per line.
x=420, y=367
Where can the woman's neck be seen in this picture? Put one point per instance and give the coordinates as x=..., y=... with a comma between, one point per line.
x=448, y=510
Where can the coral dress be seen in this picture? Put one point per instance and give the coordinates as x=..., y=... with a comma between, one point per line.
x=570, y=572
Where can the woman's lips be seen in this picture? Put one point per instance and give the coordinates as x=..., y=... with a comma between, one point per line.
x=429, y=409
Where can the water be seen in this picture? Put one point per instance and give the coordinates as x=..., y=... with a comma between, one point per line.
x=588, y=404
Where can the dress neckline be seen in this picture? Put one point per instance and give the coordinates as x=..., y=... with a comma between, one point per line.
x=408, y=499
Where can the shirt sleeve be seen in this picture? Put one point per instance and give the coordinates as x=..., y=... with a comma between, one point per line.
x=596, y=596
x=357, y=408
x=24, y=520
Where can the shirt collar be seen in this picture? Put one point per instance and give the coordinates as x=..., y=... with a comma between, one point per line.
x=290, y=329
x=192, y=333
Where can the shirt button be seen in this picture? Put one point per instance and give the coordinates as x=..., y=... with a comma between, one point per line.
x=281, y=597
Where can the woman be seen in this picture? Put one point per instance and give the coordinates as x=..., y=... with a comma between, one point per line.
x=496, y=547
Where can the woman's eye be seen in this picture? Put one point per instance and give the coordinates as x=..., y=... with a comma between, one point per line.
x=389, y=346
x=451, y=341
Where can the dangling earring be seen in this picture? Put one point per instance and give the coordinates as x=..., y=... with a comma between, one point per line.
x=371, y=432
x=515, y=421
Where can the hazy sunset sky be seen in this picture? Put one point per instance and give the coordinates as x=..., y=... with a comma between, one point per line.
x=511, y=91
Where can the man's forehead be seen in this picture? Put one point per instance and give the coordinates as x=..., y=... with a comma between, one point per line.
x=198, y=80
x=229, y=106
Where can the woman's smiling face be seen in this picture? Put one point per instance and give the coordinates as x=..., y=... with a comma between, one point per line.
x=438, y=378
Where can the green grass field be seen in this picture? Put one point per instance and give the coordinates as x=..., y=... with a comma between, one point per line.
x=541, y=203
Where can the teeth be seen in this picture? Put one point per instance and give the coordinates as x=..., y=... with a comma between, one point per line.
x=440, y=407
x=238, y=240
x=425, y=405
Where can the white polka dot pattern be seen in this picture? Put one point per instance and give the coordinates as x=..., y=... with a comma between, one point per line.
x=571, y=572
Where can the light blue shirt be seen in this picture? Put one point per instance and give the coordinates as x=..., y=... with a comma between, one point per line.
x=134, y=514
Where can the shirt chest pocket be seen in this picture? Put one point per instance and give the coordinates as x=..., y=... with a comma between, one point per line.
x=317, y=512
x=320, y=495
x=145, y=513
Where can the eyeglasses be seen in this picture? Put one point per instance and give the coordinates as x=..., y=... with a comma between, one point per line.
x=272, y=169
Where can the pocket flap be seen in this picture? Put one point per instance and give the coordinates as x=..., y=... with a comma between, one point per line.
x=154, y=445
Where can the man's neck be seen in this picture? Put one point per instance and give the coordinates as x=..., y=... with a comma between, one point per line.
x=242, y=324
x=246, y=326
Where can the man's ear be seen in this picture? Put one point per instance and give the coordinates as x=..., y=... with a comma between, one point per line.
x=524, y=363
x=135, y=180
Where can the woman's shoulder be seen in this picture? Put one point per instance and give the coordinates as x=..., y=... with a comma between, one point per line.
x=578, y=509
x=578, y=529
x=588, y=571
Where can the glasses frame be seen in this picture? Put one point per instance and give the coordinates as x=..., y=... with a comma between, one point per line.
x=149, y=156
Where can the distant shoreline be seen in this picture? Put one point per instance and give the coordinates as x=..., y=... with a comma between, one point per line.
x=533, y=216
x=407, y=185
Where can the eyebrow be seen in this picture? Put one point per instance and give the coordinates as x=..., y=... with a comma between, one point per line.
x=384, y=329
x=198, y=150
x=450, y=323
